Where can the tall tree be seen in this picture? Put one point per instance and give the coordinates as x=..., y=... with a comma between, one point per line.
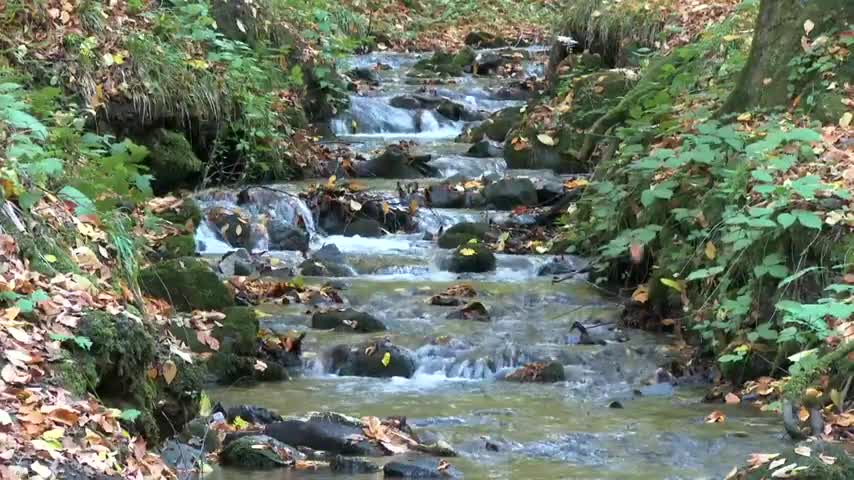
x=777, y=40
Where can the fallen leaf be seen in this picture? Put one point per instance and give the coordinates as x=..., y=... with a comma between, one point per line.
x=756, y=460
x=711, y=251
x=803, y=451
x=467, y=252
x=803, y=414
x=716, y=417
x=386, y=359
x=732, y=399
x=641, y=294
x=776, y=463
x=845, y=120
x=170, y=370
x=546, y=139
x=827, y=459
x=809, y=25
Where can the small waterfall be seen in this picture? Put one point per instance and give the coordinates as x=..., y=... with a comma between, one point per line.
x=208, y=241
x=374, y=115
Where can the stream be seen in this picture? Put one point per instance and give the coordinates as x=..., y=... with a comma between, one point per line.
x=500, y=429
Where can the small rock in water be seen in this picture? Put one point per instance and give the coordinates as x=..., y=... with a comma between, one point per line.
x=380, y=359
x=539, y=372
x=474, y=311
x=258, y=452
x=352, y=465
x=421, y=468
x=237, y=263
x=347, y=320
x=615, y=404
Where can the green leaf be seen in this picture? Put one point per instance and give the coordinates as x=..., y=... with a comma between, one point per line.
x=130, y=415
x=809, y=219
x=704, y=273
x=84, y=206
x=762, y=176
x=25, y=121
x=786, y=219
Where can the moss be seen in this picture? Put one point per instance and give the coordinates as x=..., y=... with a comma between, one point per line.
x=188, y=283
x=45, y=254
x=595, y=94
x=121, y=347
x=178, y=401
x=188, y=211
x=171, y=159
x=77, y=374
x=239, y=331
x=445, y=63
x=461, y=233
x=229, y=369
x=178, y=246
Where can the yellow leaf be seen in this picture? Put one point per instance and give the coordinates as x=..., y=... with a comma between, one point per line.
x=386, y=208
x=170, y=370
x=745, y=117
x=546, y=139
x=386, y=359
x=472, y=241
x=845, y=121
x=50, y=258
x=239, y=423
x=711, y=251
x=413, y=206
x=716, y=417
x=331, y=182
x=674, y=284
x=118, y=58
x=54, y=434
x=467, y=252
x=641, y=294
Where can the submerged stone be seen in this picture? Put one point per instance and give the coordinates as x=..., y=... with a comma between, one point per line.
x=420, y=468
x=328, y=432
x=347, y=320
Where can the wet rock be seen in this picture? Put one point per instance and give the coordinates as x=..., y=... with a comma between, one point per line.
x=415, y=102
x=198, y=432
x=579, y=335
x=550, y=372
x=397, y=162
x=352, y=465
x=237, y=263
x=322, y=268
x=370, y=360
x=250, y=413
x=488, y=63
x=444, y=63
x=470, y=258
x=283, y=236
x=456, y=112
x=258, y=452
x=496, y=127
x=558, y=266
x=232, y=226
x=230, y=369
x=474, y=311
x=347, y=320
x=420, y=468
x=328, y=432
x=509, y=193
x=366, y=75
x=484, y=149
x=615, y=404
x=171, y=160
x=478, y=39
x=462, y=233
x=180, y=456
x=444, y=195
x=187, y=211
x=187, y=283
x=238, y=331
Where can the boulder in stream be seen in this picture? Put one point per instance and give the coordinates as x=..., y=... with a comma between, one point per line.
x=415, y=101
x=347, y=320
x=187, y=283
x=237, y=263
x=283, y=236
x=420, y=467
x=485, y=149
x=474, y=311
x=380, y=359
x=463, y=233
x=456, y=111
x=510, y=193
x=471, y=258
x=328, y=432
x=397, y=162
x=258, y=452
x=328, y=261
x=364, y=74
x=539, y=372
x=232, y=226
x=496, y=127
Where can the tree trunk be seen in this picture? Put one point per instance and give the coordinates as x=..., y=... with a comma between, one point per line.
x=764, y=82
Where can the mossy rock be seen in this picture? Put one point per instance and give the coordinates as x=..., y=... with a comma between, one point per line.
x=509, y=193
x=77, y=374
x=471, y=258
x=462, y=233
x=324, y=268
x=258, y=452
x=239, y=331
x=559, y=157
x=496, y=127
x=187, y=283
x=45, y=255
x=595, y=94
x=188, y=211
x=178, y=246
x=229, y=369
x=444, y=63
x=171, y=159
x=178, y=401
x=347, y=320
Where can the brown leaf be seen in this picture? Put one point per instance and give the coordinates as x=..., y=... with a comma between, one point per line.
x=716, y=417
x=170, y=370
x=732, y=399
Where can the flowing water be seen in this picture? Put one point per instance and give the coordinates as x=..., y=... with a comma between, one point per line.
x=535, y=431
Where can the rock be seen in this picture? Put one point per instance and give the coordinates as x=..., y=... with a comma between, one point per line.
x=238, y=332
x=181, y=457
x=474, y=311
x=250, y=413
x=177, y=246
x=558, y=266
x=187, y=283
x=479, y=39
x=367, y=360
x=444, y=195
x=365, y=74
x=232, y=226
x=462, y=233
x=464, y=261
x=171, y=160
x=230, y=369
x=328, y=432
x=444, y=63
x=199, y=432
x=456, y=112
x=496, y=127
x=397, y=162
x=509, y=193
x=258, y=452
x=615, y=404
x=283, y=236
x=322, y=268
x=487, y=63
x=416, y=102
x=485, y=149
x=420, y=468
x=352, y=465
x=347, y=320
x=237, y=263
x=538, y=373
